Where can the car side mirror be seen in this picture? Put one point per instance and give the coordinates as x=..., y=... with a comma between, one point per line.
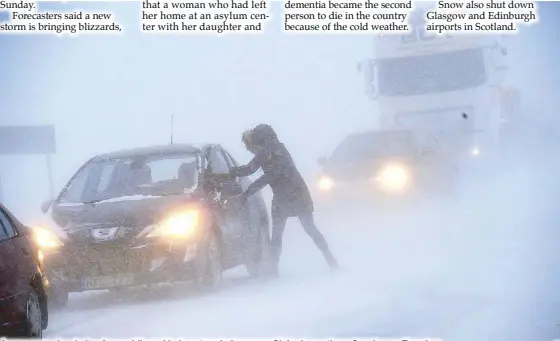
x=46, y=205
x=322, y=161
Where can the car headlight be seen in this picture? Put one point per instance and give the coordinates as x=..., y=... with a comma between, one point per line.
x=45, y=239
x=179, y=225
x=393, y=178
x=475, y=152
x=325, y=183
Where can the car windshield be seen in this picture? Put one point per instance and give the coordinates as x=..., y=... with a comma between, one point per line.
x=132, y=178
x=449, y=126
x=375, y=145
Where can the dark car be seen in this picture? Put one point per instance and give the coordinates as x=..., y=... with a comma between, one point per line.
x=23, y=283
x=152, y=215
x=386, y=163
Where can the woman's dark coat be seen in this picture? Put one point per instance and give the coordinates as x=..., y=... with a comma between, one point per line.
x=291, y=194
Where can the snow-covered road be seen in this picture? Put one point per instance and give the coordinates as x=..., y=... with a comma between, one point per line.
x=457, y=271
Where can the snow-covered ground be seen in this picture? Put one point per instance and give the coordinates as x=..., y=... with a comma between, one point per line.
x=455, y=271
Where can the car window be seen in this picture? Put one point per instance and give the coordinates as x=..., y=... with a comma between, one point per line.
x=105, y=177
x=167, y=169
x=75, y=189
x=378, y=144
x=217, y=162
x=230, y=159
x=6, y=227
x=147, y=175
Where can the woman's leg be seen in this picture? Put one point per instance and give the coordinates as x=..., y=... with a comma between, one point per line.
x=308, y=224
x=278, y=226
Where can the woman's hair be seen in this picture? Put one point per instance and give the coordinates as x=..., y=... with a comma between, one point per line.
x=263, y=135
x=259, y=137
x=247, y=138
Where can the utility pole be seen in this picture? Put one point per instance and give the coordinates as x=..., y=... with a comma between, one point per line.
x=50, y=174
x=172, y=128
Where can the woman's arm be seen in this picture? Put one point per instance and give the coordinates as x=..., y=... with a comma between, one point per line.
x=256, y=186
x=254, y=165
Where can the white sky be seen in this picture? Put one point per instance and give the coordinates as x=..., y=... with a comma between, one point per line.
x=105, y=93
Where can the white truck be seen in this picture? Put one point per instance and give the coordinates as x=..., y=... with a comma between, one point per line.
x=454, y=85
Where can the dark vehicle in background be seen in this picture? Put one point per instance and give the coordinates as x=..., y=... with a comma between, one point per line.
x=152, y=215
x=23, y=283
x=387, y=163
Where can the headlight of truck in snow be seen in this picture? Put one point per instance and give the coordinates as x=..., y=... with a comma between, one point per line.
x=393, y=178
x=474, y=152
x=325, y=183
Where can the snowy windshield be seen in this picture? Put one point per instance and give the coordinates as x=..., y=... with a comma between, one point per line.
x=431, y=73
x=379, y=144
x=450, y=128
x=132, y=178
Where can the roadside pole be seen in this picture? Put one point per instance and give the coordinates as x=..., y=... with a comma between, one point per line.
x=50, y=174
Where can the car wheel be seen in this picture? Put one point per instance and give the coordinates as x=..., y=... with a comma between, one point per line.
x=33, y=319
x=58, y=298
x=259, y=252
x=208, y=265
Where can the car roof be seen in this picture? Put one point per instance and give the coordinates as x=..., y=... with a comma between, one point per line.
x=154, y=150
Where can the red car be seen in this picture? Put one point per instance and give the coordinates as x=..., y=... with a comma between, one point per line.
x=23, y=283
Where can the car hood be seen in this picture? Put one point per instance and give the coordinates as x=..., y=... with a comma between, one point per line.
x=130, y=217
x=362, y=169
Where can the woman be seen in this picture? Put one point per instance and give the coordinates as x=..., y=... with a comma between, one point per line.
x=291, y=195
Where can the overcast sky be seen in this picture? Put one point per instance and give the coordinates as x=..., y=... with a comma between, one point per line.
x=104, y=93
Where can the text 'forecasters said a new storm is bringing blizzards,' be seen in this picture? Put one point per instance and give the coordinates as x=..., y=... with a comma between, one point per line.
x=24, y=16
x=291, y=16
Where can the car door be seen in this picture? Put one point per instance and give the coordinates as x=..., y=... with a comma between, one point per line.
x=253, y=200
x=245, y=181
x=16, y=258
x=229, y=207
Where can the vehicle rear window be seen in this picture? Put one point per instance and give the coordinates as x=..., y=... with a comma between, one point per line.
x=374, y=145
